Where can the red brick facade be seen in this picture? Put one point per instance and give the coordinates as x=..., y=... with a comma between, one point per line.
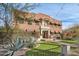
x=31, y=22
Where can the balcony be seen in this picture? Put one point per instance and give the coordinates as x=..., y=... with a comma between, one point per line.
x=44, y=27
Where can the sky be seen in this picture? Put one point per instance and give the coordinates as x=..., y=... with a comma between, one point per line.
x=67, y=13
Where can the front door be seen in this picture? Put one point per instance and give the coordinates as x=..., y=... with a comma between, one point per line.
x=45, y=34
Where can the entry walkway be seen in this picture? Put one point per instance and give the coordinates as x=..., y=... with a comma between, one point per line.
x=75, y=48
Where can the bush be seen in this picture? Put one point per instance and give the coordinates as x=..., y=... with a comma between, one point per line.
x=31, y=42
x=19, y=43
x=27, y=38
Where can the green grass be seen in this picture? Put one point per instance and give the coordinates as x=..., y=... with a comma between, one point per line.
x=45, y=49
x=71, y=41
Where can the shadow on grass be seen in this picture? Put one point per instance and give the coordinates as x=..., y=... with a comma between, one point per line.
x=51, y=43
x=39, y=52
x=48, y=52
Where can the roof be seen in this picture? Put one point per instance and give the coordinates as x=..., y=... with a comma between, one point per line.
x=37, y=17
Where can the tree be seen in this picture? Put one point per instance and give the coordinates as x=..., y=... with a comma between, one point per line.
x=6, y=14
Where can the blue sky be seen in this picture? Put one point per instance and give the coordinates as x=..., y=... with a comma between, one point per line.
x=68, y=15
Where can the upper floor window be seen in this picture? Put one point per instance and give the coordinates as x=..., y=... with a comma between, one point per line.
x=37, y=22
x=51, y=23
x=59, y=24
x=45, y=22
x=20, y=19
x=30, y=20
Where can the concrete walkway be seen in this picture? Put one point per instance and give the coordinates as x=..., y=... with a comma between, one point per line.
x=21, y=52
x=73, y=52
x=61, y=43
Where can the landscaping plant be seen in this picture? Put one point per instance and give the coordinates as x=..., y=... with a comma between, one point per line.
x=14, y=46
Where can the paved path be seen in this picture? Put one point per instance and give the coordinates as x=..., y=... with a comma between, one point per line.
x=62, y=43
x=21, y=52
x=74, y=52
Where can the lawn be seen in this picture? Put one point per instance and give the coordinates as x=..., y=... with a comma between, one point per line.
x=45, y=49
x=70, y=41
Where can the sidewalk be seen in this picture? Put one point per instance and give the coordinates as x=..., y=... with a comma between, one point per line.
x=21, y=52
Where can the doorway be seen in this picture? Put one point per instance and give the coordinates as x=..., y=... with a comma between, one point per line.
x=45, y=34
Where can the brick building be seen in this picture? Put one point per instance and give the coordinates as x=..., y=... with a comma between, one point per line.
x=42, y=24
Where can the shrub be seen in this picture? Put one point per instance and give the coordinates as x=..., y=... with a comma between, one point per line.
x=19, y=43
x=14, y=46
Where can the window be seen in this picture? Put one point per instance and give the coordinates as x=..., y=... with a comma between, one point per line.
x=29, y=22
x=51, y=23
x=25, y=20
x=47, y=22
x=59, y=24
x=51, y=32
x=37, y=22
x=20, y=19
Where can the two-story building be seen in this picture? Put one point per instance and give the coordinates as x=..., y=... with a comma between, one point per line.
x=44, y=25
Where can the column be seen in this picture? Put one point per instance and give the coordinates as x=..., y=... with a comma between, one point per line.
x=48, y=33
x=41, y=34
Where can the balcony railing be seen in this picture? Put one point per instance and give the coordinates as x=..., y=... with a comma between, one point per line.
x=46, y=27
